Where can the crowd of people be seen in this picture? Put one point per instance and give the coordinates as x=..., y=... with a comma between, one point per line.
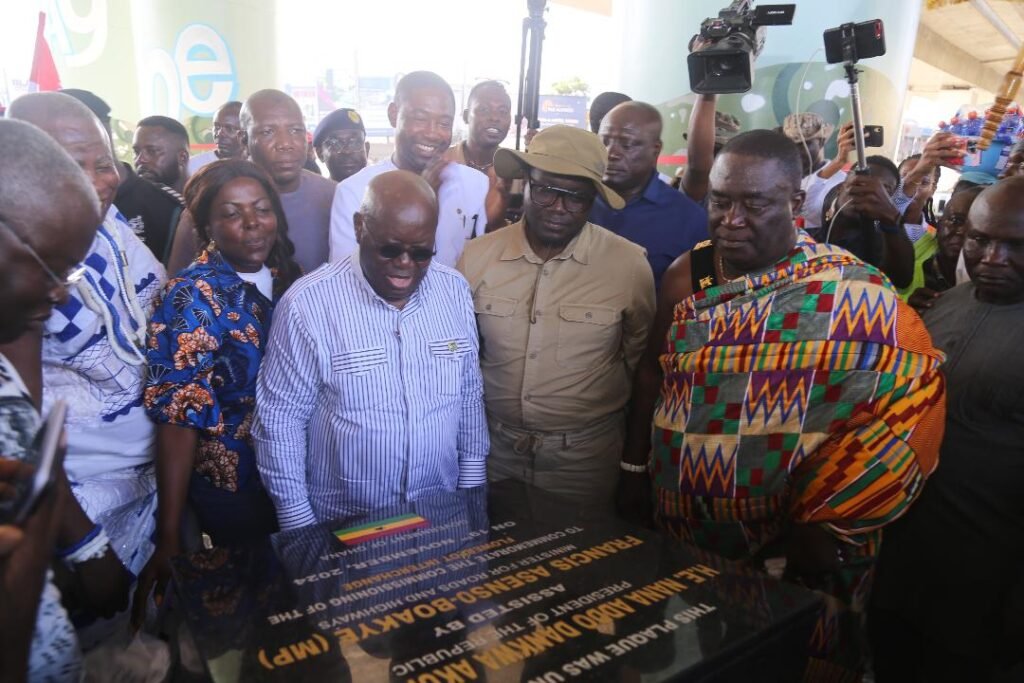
x=776, y=360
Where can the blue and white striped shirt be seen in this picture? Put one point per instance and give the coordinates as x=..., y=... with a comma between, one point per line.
x=362, y=405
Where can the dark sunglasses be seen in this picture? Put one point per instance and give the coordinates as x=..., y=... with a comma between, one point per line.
x=574, y=202
x=390, y=252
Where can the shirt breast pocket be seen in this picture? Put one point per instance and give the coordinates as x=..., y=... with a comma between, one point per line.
x=588, y=335
x=501, y=331
x=448, y=356
x=359, y=378
x=500, y=307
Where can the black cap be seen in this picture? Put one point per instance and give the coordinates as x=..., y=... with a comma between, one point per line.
x=339, y=119
x=604, y=103
x=95, y=103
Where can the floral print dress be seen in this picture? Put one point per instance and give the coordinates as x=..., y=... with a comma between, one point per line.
x=206, y=341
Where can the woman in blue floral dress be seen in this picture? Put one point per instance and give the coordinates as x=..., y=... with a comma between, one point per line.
x=206, y=342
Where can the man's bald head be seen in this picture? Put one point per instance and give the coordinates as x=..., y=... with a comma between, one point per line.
x=994, y=243
x=275, y=136
x=234, y=107
x=262, y=99
x=45, y=109
x=78, y=131
x=395, y=227
x=56, y=226
x=1004, y=197
x=639, y=114
x=631, y=132
x=31, y=164
x=400, y=191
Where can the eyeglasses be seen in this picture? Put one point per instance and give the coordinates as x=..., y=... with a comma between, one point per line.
x=349, y=144
x=390, y=252
x=72, y=278
x=574, y=202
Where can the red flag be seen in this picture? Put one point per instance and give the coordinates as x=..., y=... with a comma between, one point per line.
x=44, y=72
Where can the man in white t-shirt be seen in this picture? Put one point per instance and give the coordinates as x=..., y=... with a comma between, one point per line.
x=227, y=133
x=422, y=114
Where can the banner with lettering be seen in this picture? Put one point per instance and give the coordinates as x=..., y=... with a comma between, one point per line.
x=178, y=58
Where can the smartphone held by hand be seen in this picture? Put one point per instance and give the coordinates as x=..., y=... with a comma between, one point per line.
x=45, y=456
x=874, y=136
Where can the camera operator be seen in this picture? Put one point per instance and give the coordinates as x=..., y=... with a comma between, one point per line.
x=701, y=144
x=868, y=223
x=721, y=60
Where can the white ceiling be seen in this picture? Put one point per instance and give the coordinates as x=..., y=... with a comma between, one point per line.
x=958, y=46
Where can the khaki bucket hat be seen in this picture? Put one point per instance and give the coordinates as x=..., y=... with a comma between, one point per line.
x=562, y=150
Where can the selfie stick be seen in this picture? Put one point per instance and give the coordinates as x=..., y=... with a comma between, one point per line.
x=849, y=64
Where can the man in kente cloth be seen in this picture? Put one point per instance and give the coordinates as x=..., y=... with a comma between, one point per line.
x=797, y=403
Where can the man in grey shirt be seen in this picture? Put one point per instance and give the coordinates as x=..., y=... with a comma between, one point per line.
x=275, y=136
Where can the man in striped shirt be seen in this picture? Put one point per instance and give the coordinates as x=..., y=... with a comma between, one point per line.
x=370, y=393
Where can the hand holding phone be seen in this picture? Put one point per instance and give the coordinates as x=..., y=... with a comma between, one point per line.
x=942, y=148
x=27, y=548
x=874, y=136
x=11, y=471
x=30, y=478
x=845, y=143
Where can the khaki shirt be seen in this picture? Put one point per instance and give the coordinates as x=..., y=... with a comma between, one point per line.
x=559, y=340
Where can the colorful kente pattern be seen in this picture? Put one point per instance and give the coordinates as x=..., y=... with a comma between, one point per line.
x=808, y=393
x=206, y=342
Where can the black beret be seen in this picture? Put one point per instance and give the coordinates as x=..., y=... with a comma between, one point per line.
x=95, y=103
x=339, y=119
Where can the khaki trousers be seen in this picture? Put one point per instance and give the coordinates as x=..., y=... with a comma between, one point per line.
x=582, y=465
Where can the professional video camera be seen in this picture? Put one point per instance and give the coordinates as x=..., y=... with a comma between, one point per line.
x=734, y=40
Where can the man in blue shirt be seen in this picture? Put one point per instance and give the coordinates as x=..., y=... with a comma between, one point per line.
x=370, y=393
x=661, y=220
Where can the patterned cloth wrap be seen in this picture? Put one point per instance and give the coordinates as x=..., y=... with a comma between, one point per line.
x=808, y=393
x=206, y=342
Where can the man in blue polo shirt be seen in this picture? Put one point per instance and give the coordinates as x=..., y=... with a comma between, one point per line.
x=660, y=219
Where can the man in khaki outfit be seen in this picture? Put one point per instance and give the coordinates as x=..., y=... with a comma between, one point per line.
x=564, y=308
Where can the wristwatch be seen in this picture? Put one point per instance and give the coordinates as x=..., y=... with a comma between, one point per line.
x=889, y=227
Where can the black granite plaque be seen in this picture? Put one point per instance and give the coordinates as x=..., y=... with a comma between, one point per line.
x=506, y=585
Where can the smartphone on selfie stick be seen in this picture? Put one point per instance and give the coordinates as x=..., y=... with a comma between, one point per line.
x=848, y=44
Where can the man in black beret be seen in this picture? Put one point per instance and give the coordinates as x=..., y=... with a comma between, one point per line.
x=340, y=142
